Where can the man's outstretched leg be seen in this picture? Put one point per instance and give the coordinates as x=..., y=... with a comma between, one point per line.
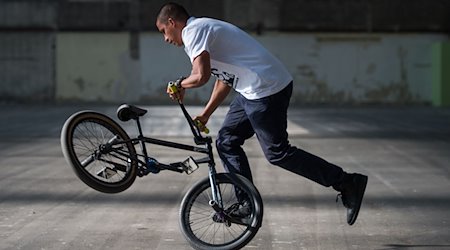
x=269, y=121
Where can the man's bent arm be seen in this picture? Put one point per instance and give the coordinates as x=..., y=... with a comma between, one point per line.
x=219, y=93
x=201, y=71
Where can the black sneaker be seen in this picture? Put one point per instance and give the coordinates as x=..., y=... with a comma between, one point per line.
x=240, y=210
x=352, y=193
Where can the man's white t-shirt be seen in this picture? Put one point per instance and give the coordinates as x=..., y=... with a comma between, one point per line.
x=236, y=58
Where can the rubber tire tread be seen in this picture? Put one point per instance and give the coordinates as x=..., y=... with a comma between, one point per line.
x=72, y=160
x=204, y=184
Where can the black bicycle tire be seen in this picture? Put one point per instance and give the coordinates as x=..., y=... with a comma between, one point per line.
x=203, y=184
x=72, y=160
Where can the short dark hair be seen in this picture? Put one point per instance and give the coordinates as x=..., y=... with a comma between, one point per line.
x=174, y=11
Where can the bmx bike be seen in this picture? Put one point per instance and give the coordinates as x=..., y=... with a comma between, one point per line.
x=104, y=157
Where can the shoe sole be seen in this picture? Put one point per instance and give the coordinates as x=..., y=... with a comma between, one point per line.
x=362, y=184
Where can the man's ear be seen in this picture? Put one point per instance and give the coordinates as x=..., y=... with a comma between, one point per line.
x=171, y=21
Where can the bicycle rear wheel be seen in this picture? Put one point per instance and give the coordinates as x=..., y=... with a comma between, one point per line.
x=205, y=228
x=91, y=144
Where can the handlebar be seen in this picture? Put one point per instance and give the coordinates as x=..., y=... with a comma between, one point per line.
x=172, y=88
x=194, y=125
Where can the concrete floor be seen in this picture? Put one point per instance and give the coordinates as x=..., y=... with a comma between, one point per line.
x=404, y=151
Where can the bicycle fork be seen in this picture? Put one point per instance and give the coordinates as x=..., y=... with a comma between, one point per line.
x=216, y=202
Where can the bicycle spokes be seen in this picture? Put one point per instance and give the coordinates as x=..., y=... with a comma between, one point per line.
x=215, y=225
x=99, y=151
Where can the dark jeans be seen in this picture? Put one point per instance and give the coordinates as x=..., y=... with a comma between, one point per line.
x=267, y=118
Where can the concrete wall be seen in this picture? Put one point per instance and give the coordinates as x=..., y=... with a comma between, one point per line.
x=278, y=15
x=27, y=63
x=327, y=68
x=350, y=68
x=97, y=50
x=101, y=67
x=96, y=67
x=28, y=14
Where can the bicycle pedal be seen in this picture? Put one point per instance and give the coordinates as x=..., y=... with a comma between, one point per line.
x=107, y=173
x=189, y=165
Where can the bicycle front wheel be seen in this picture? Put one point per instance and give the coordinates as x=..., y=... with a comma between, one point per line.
x=206, y=228
x=99, y=151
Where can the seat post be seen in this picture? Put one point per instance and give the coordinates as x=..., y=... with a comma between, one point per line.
x=139, y=127
x=140, y=136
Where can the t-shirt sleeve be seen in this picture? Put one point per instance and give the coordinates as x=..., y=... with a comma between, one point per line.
x=196, y=40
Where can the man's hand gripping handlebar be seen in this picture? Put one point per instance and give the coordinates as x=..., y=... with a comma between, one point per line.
x=201, y=126
x=176, y=92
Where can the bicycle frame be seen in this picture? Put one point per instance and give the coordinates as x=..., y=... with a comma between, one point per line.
x=199, y=139
x=104, y=157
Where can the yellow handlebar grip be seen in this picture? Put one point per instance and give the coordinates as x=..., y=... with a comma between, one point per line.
x=202, y=127
x=172, y=88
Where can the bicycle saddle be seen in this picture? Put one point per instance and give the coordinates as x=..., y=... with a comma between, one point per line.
x=126, y=112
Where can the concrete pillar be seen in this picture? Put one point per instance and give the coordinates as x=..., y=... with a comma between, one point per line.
x=441, y=74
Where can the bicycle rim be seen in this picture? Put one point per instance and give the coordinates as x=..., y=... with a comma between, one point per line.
x=109, y=170
x=202, y=230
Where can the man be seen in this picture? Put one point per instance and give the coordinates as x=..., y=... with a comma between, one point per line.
x=264, y=88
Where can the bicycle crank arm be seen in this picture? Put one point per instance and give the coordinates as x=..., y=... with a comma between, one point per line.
x=172, y=167
x=239, y=221
x=225, y=217
x=188, y=166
